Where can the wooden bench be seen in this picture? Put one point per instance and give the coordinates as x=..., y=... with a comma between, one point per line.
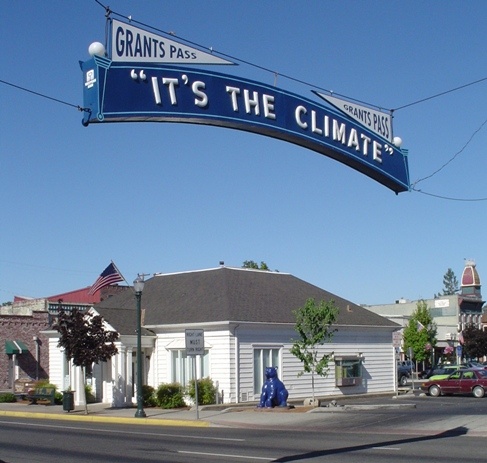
x=23, y=387
x=42, y=393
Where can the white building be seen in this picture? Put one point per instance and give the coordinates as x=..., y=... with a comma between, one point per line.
x=248, y=322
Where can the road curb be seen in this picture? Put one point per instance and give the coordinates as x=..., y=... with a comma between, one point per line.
x=108, y=419
x=344, y=408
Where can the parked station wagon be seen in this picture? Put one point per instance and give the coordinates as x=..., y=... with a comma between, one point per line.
x=468, y=381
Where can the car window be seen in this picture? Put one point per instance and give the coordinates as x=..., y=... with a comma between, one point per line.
x=455, y=375
x=482, y=374
x=468, y=375
x=475, y=365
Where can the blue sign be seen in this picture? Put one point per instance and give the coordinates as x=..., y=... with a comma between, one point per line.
x=138, y=92
x=459, y=351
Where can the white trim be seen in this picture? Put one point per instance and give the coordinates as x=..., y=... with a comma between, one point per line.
x=270, y=272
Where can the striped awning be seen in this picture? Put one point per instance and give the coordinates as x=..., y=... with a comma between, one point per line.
x=15, y=347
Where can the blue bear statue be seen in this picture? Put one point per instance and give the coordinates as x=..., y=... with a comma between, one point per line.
x=274, y=394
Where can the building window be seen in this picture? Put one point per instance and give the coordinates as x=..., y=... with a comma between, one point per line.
x=348, y=371
x=182, y=366
x=264, y=357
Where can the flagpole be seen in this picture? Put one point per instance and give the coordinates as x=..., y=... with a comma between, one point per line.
x=120, y=273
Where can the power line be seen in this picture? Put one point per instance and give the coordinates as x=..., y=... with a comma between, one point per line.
x=440, y=94
x=108, y=12
x=448, y=198
x=454, y=156
x=274, y=73
x=79, y=108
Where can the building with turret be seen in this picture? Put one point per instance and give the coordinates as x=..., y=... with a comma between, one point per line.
x=451, y=313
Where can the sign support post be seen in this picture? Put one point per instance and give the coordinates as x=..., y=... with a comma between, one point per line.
x=195, y=345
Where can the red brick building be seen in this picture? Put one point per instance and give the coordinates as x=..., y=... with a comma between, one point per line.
x=23, y=348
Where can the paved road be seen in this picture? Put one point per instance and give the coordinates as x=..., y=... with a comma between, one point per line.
x=358, y=435
x=406, y=414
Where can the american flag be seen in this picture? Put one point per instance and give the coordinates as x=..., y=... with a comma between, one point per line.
x=107, y=277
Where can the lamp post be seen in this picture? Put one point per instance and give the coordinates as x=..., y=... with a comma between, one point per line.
x=138, y=287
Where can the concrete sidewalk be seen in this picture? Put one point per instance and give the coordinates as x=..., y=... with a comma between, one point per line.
x=249, y=416
x=205, y=416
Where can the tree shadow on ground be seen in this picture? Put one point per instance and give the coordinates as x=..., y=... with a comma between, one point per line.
x=455, y=432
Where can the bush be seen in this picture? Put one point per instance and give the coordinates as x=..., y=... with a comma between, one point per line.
x=206, y=391
x=170, y=396
x=90, y=397
x=149, y=396
x=7, y=397
x=44, y=383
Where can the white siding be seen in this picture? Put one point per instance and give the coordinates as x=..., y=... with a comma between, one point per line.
x=221, y=359
x=56, y=362
x=231, y=362
x=375, y=346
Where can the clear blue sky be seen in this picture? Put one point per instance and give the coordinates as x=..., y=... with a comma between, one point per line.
x=158, y=197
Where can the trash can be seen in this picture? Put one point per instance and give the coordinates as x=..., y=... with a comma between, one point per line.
x=68, y=400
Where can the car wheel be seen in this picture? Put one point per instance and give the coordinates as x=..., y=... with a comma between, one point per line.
x=403, y=380
x=478, y=391
x=434, y=391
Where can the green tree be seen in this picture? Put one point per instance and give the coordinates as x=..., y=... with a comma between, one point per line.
x=252, y=264
x=420, y=333
x=85, y=340
x=314, y=326
x=450, y=284
x=474, y=342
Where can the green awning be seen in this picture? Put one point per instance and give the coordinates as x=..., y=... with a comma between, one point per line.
x=15, y=347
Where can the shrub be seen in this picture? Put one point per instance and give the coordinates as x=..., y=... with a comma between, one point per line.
x=149, y=396
x=170, y=396
x=58, y=398
x=206, y=391
x=90, y=397
x=7, y=397
x=44, y=383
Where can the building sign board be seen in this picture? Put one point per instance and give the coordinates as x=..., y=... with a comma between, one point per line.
x=133, y=89
x=397, y=338
x=441, y=303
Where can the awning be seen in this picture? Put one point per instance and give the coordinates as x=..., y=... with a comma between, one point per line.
x=15, y=347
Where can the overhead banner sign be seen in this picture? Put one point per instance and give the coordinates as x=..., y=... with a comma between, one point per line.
x=132, y=44
x=376, y=121
x=121, y=91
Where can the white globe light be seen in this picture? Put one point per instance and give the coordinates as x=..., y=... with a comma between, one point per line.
x=96, y=49
x=397, y=141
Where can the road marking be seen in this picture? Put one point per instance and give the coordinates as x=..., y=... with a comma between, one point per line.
x=116, y=431
x=386, y=448
x=227, y=455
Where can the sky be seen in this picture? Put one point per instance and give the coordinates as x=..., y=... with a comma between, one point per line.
x=160, y=197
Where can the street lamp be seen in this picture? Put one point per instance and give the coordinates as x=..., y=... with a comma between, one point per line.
x=138, y=287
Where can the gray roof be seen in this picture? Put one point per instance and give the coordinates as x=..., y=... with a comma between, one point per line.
x=123, y=320
x=227, y=294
